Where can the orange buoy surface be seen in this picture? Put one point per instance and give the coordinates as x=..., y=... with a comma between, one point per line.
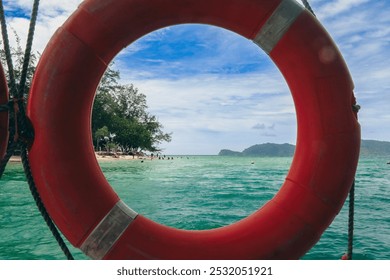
x=83, y=204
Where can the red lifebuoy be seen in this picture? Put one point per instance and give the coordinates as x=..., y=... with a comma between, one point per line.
x=4, y=115
x=89, y=212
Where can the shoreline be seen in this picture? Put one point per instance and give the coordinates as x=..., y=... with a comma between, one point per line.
x=15, y=159
x=18, y=159
x=121, y=157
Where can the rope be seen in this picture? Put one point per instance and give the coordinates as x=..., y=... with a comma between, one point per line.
x=4, y=107
x=12, y=145
x=351, y=221
x=7, y=50
x=307, y=6
x=19, y=110
x=10, y=151
x=41, y=206
x=22, y=126
x=27, y=53
x=351, y=211
x=13, y=92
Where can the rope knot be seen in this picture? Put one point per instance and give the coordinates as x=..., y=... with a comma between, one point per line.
x=356, y=108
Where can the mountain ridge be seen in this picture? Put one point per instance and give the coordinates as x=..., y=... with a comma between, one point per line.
x=367, y=148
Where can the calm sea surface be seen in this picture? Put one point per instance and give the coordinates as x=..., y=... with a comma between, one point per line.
x=202, y=192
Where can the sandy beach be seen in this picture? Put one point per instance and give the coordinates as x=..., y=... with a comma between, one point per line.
x=100, y=157
x=15, y=159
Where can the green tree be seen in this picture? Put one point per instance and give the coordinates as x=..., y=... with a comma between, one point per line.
x=123, y=110
x=131, y=103
x=132, y=107
x=17, y=54
x=157, y=135
x=104, y=107
x=100, y=134
x=131, y=136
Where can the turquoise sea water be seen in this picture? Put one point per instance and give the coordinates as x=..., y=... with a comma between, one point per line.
x=202, y=192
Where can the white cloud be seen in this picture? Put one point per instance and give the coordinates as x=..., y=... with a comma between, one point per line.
x=334, y=8
x=259, y=126
x=51, y=15
x=210, y=104
x=46, y=7
x=214, y=108
x=361, y=29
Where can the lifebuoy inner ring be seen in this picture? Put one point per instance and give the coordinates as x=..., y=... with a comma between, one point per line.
x=89, y=212
x=4, y=114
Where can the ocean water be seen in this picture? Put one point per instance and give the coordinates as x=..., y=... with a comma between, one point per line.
x=202, y=192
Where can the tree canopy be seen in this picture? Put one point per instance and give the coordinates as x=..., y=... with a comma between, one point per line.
x=119, y=116
x=123, y=110
x=17, y=54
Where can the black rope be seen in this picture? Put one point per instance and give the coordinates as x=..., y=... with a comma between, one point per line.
x=41, y=206
x=27, y=53
x=351, y=210
x=22, y=122
x=12, y=145
x=12, y=90
x=351, y=221
x=307, y=6
x=4, y=107
x=7, y=50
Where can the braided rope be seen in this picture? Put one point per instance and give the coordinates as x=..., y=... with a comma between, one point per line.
x=25, y=130
x=307, y=6
x=4, y=107
x=7, y=50
x=351, y=221
x=41, y=206
x=351, y=206
x=22, y=125
x=13, y=91
x=10, y=151
x=27, y=53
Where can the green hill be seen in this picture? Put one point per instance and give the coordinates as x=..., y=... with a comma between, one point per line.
x=374, y=148
x=263, y=150
x=368, y=148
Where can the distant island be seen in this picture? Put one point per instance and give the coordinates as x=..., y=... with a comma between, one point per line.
x=367, y=148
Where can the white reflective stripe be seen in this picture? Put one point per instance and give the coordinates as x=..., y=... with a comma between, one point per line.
x=278, y=24
x=108, y=231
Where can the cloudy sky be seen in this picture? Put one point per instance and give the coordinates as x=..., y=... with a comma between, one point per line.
x=214, y=89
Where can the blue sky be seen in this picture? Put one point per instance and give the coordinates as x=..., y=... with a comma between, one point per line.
x=214, y=89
